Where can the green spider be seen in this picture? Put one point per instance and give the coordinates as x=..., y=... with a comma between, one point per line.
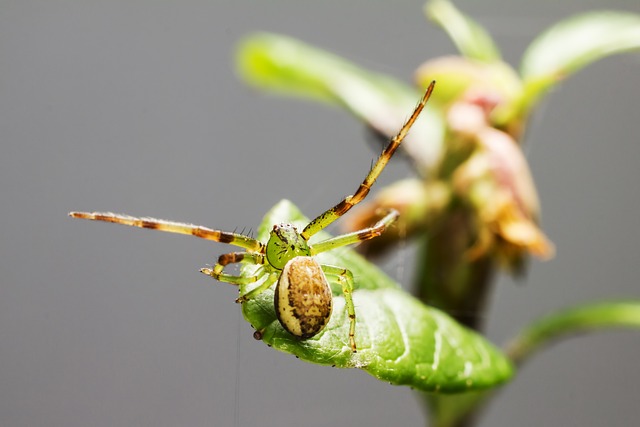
x=303, y=298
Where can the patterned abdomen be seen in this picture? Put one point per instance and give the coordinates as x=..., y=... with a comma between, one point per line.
x=303, y=299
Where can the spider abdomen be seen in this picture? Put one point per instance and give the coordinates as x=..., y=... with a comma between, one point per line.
x=303, y=299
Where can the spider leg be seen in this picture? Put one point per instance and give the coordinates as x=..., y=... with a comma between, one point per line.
x=356, y=236
x=345, y=278
x=326, y=218
x=232, y=258
x=270, y=280
x=235, y=239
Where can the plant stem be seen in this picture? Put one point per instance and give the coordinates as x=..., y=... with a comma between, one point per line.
x=449, y=280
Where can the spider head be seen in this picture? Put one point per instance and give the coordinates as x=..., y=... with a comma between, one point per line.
x=285, y=243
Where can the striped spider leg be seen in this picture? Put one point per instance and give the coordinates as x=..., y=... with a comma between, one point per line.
x=254, y=248
x=303, y=297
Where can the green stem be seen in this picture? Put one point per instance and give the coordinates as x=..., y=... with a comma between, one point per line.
x=447, y=279
x=454, y=410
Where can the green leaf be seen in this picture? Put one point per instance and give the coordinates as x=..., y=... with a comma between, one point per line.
x=573, y=44
x=586, y=318
x=399, y=339
x=471, y=39
x=285, y=65
x=281, y=63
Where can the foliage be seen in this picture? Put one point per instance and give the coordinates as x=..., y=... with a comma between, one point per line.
x=400, y=340
x=474, y=202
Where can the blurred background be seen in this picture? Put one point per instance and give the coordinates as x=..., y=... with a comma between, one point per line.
x=135, y=107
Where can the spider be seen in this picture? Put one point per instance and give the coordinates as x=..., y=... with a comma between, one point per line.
x=303, y=297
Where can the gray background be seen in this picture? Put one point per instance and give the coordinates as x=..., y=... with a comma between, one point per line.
x=133, y=106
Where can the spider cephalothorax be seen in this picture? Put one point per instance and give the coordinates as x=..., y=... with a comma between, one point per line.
x=303, y=298
x=285, y=243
